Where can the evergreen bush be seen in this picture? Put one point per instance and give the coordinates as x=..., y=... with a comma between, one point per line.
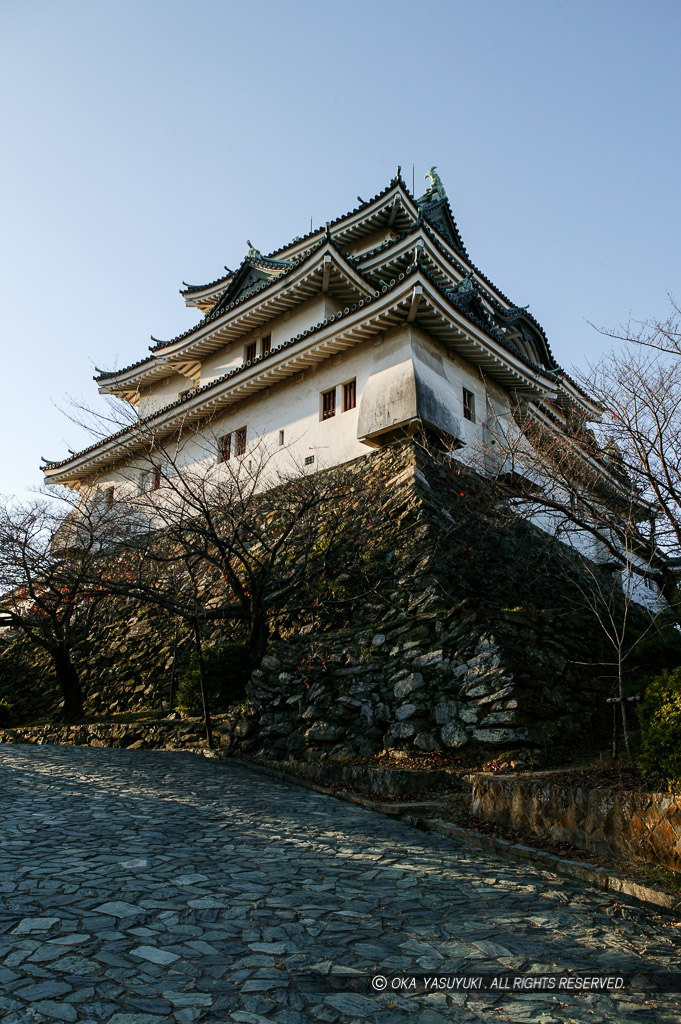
x=226, y=674
x=661, y=723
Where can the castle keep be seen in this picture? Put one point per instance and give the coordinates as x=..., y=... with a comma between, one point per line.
x=335, y=344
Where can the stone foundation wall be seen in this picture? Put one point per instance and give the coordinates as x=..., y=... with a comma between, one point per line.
x=443, y=630
x=162, y=735
x=358, y=694
x=645, y=826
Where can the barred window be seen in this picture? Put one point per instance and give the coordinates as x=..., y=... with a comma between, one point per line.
x=250, y=352
x=349, y=395
x=329, y=404
x=224, y=448
x=309, y=459
x=468, y=405
x=240, y=441
x=266, y=344
x=150, y=480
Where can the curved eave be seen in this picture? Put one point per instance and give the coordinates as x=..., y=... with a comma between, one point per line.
x=449, y=262
x=594, y=464
x=592, y=409
x=283, y=293
x=349, y=227
x=205, y=296
x=389, y=259
x=391, y=306
x=393, y=207
x=309, y=279
x=473, y=342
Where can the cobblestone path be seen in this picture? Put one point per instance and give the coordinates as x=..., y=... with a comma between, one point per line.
x=142, y=887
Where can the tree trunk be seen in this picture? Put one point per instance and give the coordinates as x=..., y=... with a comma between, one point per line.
x=623, y=706
x=202, y=684
x=68, y=681
x=171, y=696
x=257, y=640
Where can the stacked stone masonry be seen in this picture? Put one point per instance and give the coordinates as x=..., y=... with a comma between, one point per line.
x=433, y=658
x=605, y=822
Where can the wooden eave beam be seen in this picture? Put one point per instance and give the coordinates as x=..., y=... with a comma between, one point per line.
x=326, y=274
x=416, y=297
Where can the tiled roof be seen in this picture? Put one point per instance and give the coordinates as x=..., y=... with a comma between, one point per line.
x=216, y=314
x=310, y=234
x=188, y=288
x=231, y=373
x=308, y=332
x=379, y=195
x=105, y=374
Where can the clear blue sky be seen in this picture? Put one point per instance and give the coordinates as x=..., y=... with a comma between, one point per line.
x=145, y=142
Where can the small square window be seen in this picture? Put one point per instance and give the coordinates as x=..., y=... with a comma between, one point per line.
x=281, y=438
x=349, y=395
x=224, y=448
x=309, y=459
x=329, y=404
x=240, y=441
x=249, y=354
x=468, y=405
x=266, y=345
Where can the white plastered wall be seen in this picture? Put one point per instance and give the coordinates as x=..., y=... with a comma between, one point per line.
x=294, y=405
x=158, y=395
x=281, y=329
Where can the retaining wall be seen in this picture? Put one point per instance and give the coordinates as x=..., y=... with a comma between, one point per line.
x=623, y=824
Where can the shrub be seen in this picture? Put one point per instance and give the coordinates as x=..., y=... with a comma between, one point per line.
x=226, y=674
x=5, y=713
x=661, y=723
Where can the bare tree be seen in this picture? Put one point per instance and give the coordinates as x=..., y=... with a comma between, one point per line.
x=639, y=386
x=238, y=534
x=47, y=552
x=216, y=533
x=627, y=613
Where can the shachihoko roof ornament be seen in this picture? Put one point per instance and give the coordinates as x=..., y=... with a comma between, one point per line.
x=436, y=191
x=466, y=284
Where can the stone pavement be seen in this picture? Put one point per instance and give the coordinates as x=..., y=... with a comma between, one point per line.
x=138, y=887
